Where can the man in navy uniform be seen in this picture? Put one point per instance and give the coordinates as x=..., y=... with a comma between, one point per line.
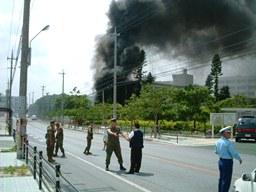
x=226, y=151
x=136, y=145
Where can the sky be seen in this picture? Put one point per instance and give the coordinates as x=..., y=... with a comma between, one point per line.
x=68, y=45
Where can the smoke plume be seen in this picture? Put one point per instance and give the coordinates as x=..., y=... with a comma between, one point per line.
x=187, y=28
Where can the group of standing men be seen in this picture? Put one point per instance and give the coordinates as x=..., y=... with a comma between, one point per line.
x=224, y=149
x=54, y=140
x=113, y=145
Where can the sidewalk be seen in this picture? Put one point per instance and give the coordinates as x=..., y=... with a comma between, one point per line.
x=14, y=183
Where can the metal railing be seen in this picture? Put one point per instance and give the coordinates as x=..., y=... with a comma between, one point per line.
x=47, y=175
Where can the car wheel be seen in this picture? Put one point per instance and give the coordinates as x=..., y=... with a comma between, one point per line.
x=237, y=140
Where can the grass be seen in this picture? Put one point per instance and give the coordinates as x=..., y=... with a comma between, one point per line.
x=13, y=149
x=15, y=171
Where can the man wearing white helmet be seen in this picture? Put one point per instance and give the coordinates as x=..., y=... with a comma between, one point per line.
x=226, y=151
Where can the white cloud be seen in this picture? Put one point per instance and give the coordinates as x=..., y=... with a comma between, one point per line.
x=68, y=44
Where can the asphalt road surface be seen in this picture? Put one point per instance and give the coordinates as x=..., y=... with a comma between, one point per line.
x=165, y=167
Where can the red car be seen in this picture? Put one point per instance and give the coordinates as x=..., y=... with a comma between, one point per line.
x=246, y=128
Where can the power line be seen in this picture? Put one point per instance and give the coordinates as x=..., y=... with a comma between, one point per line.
x=11, y=25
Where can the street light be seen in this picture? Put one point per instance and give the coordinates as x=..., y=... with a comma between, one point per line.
x=29, y=49
x=25, y=61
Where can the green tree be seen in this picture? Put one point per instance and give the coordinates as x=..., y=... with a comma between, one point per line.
x=133, y=110
x=75, y=106
x=216, y=73
x=235, y=101
x=155, y=101
x=194, y=102
x=100, y=112
x=224, y=93
x=209, y=83
x=149, y=79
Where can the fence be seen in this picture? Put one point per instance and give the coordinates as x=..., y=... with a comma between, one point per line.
x=48, y=175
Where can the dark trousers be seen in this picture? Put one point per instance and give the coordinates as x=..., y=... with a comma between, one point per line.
x=59, y=145
x=226, y=169
x=136, y=156
x=117, y=150
x=49, y=149
x=87, y=149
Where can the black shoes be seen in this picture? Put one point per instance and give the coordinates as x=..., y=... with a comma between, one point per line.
x=122, y=168
x=87, y=153
x=51, y=160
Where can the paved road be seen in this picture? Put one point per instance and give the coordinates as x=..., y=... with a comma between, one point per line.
x=166, y=167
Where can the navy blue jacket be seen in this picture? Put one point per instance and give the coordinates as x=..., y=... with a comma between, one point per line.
x=137, y=140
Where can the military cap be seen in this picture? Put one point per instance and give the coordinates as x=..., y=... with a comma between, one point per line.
x=225, y=129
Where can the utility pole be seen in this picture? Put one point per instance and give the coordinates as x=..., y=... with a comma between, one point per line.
x=33, y=97
x=62, y=99
x=103, y=105
x=43, y=86
x=21, y=131
x=114, y=83
x=10, y=94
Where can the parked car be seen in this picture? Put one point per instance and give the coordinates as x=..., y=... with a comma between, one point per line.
x=245, y=128
x=246, y=183
x=33, y=117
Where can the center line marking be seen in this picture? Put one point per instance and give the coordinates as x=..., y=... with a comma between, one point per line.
x=103, y=170
x=110, y=173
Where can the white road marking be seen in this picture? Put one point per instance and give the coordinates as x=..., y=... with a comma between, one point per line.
x=110, y=173
x=107, y=172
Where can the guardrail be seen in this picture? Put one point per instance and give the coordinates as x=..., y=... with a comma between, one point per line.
x=47, y=175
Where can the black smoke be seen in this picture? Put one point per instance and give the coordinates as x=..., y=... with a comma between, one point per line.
x=188, y=28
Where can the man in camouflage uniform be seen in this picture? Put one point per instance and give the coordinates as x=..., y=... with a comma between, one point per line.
x=113, y=144
x=89, y=140
x=50, y=141
x=59, y=140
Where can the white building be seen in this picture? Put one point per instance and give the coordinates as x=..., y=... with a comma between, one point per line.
x=239, y=85
x=183, y=79
x=179, y=80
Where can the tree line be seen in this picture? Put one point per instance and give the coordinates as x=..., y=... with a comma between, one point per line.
x=172, y=107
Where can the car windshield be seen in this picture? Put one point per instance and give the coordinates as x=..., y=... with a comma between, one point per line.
x=247, y=122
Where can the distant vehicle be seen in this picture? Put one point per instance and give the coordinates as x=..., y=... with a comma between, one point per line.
x=245, y=128
x=246, y=183
x=33, y=117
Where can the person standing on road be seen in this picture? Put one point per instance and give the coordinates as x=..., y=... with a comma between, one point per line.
x=59, y=140
x=50, y=141
x=89, y=140
x=226, y=151
x=136, y=145
x=113, y=144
